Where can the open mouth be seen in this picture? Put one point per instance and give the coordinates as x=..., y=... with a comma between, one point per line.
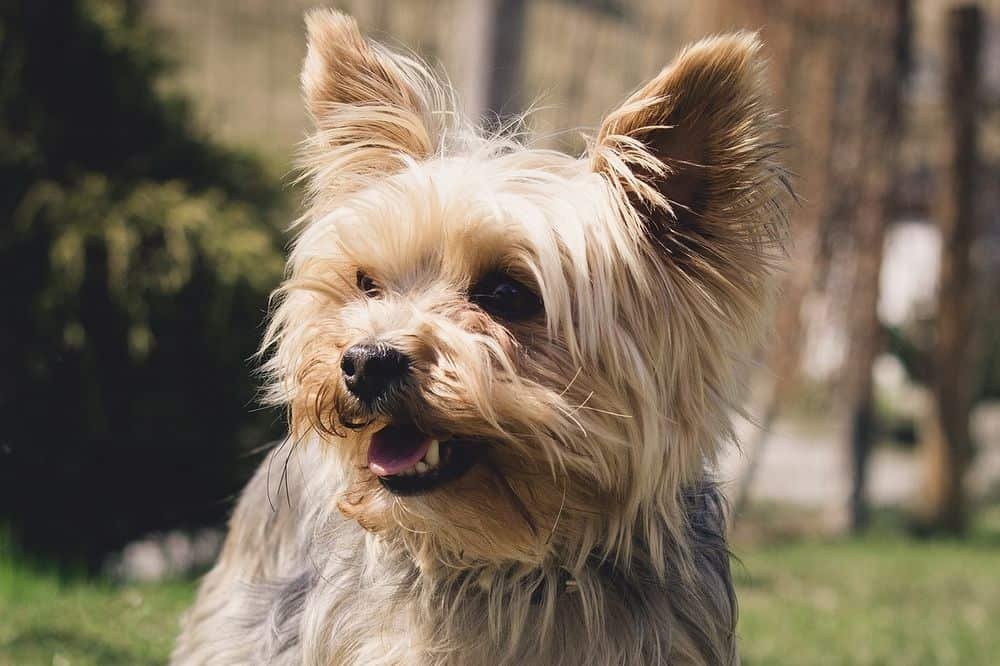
x=408, y=461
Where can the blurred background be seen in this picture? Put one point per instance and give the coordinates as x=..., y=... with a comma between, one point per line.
x=146, y=155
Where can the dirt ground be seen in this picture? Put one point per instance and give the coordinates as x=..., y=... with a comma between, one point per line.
x=804, y=465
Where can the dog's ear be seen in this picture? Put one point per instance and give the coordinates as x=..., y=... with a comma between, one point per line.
x=689, y=156
x=373, y=104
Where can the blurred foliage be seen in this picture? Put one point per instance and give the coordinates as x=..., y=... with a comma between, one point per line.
x=136, y=257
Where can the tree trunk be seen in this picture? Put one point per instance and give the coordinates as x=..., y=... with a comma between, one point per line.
x=888, y=68
x=799, y=58
x=947, y=443
x=830, y=76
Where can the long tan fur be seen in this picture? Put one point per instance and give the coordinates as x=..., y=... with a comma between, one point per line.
x=590, y=531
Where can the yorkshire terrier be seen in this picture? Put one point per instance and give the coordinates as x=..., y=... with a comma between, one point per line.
x=508, y=373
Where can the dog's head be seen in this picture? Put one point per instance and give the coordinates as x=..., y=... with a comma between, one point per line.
x=514, y=352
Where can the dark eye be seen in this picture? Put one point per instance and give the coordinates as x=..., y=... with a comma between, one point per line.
x=367, y=285
x=505, y=298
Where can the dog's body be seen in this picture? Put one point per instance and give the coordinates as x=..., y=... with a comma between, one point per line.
x=508, y=373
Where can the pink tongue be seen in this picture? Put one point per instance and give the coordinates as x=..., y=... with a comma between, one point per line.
x=396, y=448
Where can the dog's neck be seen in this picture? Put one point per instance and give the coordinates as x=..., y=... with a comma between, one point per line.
x=626, y=611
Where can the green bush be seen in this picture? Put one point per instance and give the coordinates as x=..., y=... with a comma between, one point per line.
x=136, y=258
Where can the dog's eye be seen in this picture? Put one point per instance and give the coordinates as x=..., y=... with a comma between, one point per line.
x=504, y=297
x=367, y=285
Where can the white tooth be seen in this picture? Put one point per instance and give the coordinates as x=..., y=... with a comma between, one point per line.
x=433, y=455
x=409, y=472
x=421, y=467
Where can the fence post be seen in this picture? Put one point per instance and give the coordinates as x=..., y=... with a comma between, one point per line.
x=492, y=41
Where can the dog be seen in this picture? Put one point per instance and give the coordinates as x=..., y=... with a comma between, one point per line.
x=508, y=373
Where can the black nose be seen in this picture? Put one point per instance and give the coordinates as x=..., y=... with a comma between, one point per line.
x=371, y=370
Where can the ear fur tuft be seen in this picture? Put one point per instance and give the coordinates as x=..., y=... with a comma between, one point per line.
x=343, y=68
x=690, y=152
x=375, y=111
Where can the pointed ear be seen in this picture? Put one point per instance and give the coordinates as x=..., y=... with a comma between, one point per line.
x=690, y=154
x=373, y=104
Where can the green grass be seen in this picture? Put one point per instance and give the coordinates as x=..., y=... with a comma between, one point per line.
x=880, y=600
x=876, y=601
x=49, y=619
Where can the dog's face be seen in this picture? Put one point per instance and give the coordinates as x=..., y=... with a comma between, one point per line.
x=513, y=352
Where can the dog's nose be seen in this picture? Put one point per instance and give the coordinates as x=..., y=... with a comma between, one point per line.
x=371, y=370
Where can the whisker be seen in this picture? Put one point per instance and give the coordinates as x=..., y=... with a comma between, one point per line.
x=555, y=523
x=578, y=371
x=267, y=478
x=518, y=503
x=284, y=472
x=572, y=418
x=605, y=411
x=585, y=401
